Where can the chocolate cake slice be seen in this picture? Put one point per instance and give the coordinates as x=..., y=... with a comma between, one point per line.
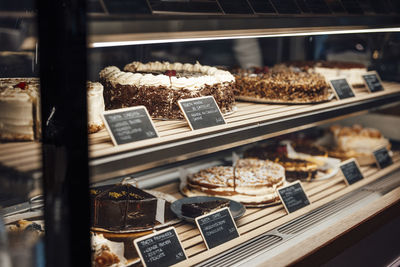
x=196, y=209
x=124, y=207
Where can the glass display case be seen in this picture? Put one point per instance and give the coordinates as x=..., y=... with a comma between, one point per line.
x=265, y=44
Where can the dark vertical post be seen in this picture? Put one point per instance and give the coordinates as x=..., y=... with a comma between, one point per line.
x=62, y=60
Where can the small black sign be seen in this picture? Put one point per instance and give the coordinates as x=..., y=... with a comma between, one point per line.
x=217, y=227
x=382, y=157
x=351, y=171
x=342, y=88
x=201, y=112
x=162, y=248
x=128, y=125
x=293, y=197
x=373, y=82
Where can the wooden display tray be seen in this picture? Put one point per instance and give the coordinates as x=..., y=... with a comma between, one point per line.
x=246, y=114
x=26, y=156
x=257, y=221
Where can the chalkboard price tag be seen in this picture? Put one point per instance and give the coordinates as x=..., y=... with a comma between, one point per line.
x=201, y=112
x=293, y=197
x=373, y=81
x=342, y=88
x=217, y=227
x=162, y=248
x=128, y=125
x=351, y=171
x=382, y=158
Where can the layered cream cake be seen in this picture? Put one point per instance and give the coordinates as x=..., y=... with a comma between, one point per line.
x=357, y=142
x=20, y=118
x=351, y=71
x=19, y=109
x=158, y=86
x=332, y=69
x=281, y=85
x=251, y=181
x=295, y=169
x=95, y=105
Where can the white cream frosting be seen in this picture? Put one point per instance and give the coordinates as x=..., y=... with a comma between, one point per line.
x=211, y=75
x=95, y=103
x=19, y=109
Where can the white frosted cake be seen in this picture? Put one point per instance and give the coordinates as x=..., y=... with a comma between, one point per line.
x=19, y=109
x=357, y=142
x=252, y=181
x=352, y=71
x=158, y=86
x=95, y=104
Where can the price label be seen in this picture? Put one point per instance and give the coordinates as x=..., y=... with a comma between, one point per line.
x=201, y=112
x=382, y=158
x=128, y=125
x=342, y=88
x=351, y=171
x=373, y=82
x=217, y=227
x=160, y=249
x=293, y=197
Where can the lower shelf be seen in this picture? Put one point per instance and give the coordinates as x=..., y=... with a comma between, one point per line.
x=258, y=221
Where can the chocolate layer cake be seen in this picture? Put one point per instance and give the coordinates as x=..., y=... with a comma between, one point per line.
x=294, y=168
x=158, y=86
x=124, y=207
x=196, y=209
x=281, y=85
x=251, y=181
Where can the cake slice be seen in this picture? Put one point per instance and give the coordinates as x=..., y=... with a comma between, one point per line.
x=201, y=208
x=19, y=109
x=124, y=207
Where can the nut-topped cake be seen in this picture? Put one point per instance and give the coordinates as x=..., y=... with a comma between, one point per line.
x=158, y=86
x=280, y=85
x=251, y=181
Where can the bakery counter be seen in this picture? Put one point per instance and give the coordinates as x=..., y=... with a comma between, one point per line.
x=251, y=122
x=335, y=208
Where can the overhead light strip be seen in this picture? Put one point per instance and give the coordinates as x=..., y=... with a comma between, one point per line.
x=196, y=39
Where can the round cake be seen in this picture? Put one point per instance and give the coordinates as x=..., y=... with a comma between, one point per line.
x=280, y=85
x=251, y=181
x=158, y=86
x=295, y=169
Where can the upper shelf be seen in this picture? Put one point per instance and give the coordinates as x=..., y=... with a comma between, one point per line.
x=250, y=123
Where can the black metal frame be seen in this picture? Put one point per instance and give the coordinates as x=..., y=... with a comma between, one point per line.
x=62, y=46
x=62, y=54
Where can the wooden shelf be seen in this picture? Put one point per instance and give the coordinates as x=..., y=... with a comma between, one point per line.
x=250, y=123
x=257, y=221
